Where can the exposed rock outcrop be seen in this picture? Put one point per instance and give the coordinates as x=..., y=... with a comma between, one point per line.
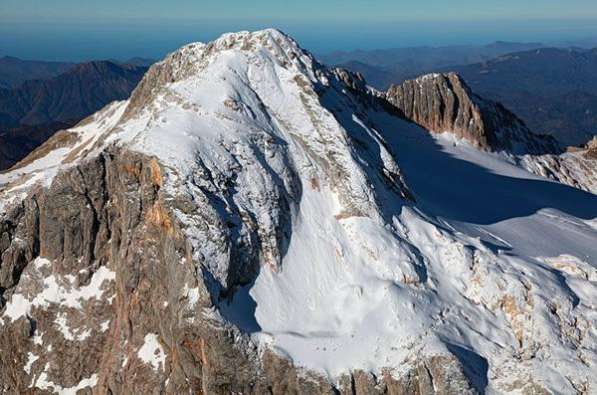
x=577, y=167
x=444, y=103
x=590, y=151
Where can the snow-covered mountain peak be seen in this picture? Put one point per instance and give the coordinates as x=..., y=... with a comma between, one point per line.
x=269, y=40
x=282, y=182
x=253, y=116
x=191, y=60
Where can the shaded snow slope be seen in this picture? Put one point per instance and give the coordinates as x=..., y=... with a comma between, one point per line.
x=302, y=224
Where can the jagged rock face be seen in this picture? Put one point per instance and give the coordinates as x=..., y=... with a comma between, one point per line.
x=242, y=225
x=591, y=149
x=577, y=168
x=444, y=103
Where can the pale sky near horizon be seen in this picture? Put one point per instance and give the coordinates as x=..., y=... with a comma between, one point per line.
x=85, y=29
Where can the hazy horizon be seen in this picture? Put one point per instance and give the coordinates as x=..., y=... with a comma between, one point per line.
x=70, y=31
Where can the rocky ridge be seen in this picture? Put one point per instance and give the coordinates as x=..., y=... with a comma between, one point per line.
x=236, y=224
x=444, y=103
x=577, y=167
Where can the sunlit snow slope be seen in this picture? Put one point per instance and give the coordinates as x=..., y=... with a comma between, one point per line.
x=346, y=238
x=507, y=270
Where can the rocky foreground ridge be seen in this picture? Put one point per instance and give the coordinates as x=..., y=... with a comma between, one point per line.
x=241, y=224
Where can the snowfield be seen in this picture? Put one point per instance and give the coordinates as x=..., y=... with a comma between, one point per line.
x=379, y=243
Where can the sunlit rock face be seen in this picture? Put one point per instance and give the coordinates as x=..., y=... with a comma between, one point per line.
x=250, y=221
x=444, y=103
x=577, y=167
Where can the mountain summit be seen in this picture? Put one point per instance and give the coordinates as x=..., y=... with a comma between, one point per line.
x=251, y=221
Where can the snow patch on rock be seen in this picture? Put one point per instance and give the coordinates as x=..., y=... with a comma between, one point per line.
x=43, y=383
x=152, y=353
x=31, y=358
x=57, y=290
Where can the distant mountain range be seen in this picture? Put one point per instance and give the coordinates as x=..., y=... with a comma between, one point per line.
x=15, y=71
x=383, y=67
x=136, y=61
x=553, y=90
x=32, y=112
x=70, y=96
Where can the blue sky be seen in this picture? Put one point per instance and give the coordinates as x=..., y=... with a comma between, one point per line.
x=84, y=29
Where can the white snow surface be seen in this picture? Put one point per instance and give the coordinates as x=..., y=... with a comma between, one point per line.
x=31, y=358
x=491, y=263
x=56, y=290
x=151, y=352
x=42, y=382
